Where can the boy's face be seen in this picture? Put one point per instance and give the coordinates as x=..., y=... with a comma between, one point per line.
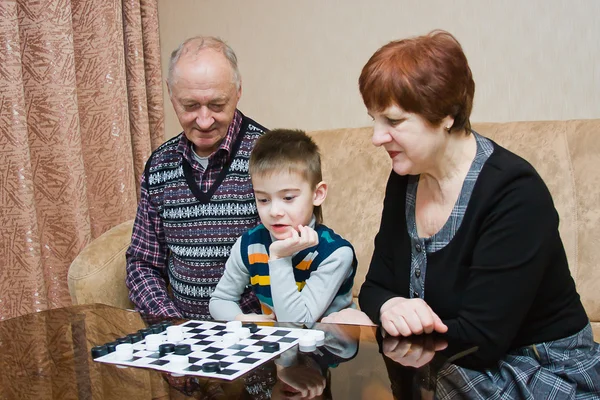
x=285, y=200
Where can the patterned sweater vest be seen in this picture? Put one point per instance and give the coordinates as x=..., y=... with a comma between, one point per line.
x=255, y=255
x=200, y=228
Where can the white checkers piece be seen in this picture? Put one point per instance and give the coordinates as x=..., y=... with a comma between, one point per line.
x=174, y=334
x=307, y=343
x=243, y=333
x=229, y=339
x=153, y=341
x=318, y=335
x=233, y=326
x=179, y=361
x=124, y=352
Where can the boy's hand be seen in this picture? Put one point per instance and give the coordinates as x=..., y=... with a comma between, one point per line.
x=348, y=316
x=302, y=381
x=305, y=238
x=253, y=317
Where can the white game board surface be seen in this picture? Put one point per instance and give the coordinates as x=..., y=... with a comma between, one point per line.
x=207, y=345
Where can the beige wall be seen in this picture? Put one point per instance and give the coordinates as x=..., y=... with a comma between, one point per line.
x=300, y=60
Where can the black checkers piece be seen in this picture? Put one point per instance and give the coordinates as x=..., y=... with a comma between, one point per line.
x=166, y=348
x=156, y=329
x=210, y=367
x=145, y=332
x=135, y=337
x=125, y=339
x=253, y=327
x=99, y=351
x=182, y=349
x=111, y=347
x=271, y=347
x=165, y=325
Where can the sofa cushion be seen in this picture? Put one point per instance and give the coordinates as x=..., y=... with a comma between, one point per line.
x=357, y=173
x=565, y=154
x=97, y=275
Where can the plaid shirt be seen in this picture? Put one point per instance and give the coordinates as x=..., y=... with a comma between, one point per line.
x=216, y=161
x=147, y=255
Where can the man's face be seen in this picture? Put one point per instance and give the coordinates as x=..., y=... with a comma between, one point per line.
x=205, y=97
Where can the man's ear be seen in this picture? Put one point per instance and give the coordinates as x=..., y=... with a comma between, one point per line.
x=320, y=193
x=239, y=91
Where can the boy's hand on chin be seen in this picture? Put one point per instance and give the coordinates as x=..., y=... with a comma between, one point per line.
x=302, y=239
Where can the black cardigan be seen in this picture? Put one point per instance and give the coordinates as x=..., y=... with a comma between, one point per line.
x=503, y=281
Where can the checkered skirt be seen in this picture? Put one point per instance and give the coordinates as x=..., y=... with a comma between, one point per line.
x=567, y=368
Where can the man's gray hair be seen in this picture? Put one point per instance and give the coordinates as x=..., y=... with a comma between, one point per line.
x=194, y=45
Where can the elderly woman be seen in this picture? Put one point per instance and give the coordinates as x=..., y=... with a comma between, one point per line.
x=468, y=243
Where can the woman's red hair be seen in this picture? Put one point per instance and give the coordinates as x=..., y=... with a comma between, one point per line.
x=427, y=75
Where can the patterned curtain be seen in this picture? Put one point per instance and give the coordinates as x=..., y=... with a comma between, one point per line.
x=80, y=112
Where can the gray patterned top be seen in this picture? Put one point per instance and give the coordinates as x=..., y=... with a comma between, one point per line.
x=421, y=246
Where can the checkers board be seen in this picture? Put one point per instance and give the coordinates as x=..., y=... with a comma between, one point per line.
x=206, y=345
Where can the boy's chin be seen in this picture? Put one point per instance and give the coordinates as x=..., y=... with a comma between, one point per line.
x=281, y=234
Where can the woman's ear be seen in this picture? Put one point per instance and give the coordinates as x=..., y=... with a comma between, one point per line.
x=447, y=123
x=320, y=193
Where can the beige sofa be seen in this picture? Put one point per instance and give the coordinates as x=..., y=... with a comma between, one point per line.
x=565, y=153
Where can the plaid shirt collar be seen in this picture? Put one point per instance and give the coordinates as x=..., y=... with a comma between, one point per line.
x=222, y=153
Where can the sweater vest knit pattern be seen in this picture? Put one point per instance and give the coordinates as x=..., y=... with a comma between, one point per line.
x=200, y=228
x=255, y=255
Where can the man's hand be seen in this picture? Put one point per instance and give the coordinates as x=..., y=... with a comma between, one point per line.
x=252, y=317
x=302, y=239
x=405, y=317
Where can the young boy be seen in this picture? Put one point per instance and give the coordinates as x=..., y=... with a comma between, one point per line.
x=299, y=269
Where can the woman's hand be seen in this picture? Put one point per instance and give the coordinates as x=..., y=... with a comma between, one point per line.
x=348, y=316
x=414, y=352
x=253, y=317
x=405, y=317
x=302, y=239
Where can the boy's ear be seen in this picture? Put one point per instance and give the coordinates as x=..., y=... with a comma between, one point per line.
x=320, y=194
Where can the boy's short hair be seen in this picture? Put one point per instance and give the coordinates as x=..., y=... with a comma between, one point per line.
x=288, y=150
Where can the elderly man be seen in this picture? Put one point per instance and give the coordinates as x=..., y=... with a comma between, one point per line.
x=196, y=195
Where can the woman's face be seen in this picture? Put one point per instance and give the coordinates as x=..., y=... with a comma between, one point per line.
x=411, y=142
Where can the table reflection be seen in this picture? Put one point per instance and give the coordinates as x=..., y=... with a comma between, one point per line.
x=46, y=355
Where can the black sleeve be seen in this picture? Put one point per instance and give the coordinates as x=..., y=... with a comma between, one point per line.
x=517, y=241
x=380, y=284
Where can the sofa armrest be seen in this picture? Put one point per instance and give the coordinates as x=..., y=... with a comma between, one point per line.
x=97, y=275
